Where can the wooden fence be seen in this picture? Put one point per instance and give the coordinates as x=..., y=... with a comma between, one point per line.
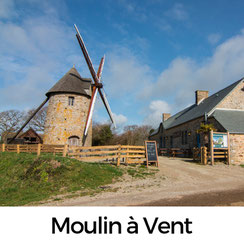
x=32, y=148
x=118, y=153
x=203, y=155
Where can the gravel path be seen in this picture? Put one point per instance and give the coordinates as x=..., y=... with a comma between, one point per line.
x=179, y=182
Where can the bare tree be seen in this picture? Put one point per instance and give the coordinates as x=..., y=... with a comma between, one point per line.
x=132, y=135
x=38, y=121
x=10, y=121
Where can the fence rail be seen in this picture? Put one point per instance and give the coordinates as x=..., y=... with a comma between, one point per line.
x=114, y=153
x=125, y=154
x=203, y=155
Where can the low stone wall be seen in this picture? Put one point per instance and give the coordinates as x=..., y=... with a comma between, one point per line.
x=237, y=148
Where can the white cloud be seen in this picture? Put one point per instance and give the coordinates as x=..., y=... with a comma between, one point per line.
x=125, y=72
x=33, y=57
x=177, y=12
x=154, y=112
x=214, y=38
x=7, y=9
x=185, y=75
x=120, y=119
x=135, y=9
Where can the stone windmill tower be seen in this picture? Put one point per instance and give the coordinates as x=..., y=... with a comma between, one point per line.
x=71, y=105
x=68, y=106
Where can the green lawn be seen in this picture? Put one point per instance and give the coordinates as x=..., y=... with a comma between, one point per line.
x=24, y=178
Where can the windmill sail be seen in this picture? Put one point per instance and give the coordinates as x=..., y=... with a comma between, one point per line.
x=96, y=79
x=91, y=109
x=106, y=104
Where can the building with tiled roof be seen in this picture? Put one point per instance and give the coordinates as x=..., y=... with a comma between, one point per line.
x=224, y=110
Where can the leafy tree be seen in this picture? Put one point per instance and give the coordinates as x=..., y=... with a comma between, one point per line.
x=101, y=134
x=205, y=128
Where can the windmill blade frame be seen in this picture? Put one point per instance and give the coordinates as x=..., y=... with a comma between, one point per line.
x=91, y=109
x=106, y=104
x=86, y=55
x=93, y=97
x=96, y=79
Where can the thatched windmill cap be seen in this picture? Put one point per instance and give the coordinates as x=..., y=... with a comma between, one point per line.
x=71, y=82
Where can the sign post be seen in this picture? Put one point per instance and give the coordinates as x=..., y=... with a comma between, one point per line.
x=151, y=152
x=219, y=146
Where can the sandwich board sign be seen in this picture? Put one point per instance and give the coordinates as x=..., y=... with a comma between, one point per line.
x=151, y=152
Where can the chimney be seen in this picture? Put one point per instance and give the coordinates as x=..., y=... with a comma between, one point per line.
x=165, y=116
x=200, y=96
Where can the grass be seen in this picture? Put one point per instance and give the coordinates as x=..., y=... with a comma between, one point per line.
x=25, y=178
x=141, y=171
x=28, y=179
x=242, y=165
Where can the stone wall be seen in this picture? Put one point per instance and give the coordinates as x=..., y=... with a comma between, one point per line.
x=237, y=148
x=189, y=129
x=235, y=100
x=64, y=121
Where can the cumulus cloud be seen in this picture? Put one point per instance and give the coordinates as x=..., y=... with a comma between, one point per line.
x=154, y=112
x=214, y=38
x=125, y=72
x=33, y=53
x=177, y=12
x=7, y=9
x=185, y=75
x=120, y=119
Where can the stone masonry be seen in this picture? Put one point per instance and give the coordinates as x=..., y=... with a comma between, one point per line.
x=237, y=148
x=64, y=121
x=235, y=100
x=185, y=135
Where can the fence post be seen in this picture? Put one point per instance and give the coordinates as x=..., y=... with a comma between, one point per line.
x=228, y=157
x=38, y=149
x=18, y=148
x=65, y=150
x=194, y=151
x=119, y=154
x=211, y=148
x=205, y=156
x=3, y=147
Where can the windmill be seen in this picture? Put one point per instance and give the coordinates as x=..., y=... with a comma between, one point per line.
x=67, y=120
x=97, y=86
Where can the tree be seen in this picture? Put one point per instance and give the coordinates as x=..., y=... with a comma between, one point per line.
x=10, y=122
x=132, y=135
x=101, y=134
x=38, y=121
x=204, y=130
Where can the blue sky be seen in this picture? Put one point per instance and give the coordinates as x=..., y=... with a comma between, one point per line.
x=158, y=52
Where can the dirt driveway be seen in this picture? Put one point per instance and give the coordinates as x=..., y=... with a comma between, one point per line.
x=178, y=182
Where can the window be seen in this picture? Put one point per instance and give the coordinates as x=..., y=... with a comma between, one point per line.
x=171, y=141
x=71, y=101
x=74, y=141
x=161, y=141
x=185, y=137
x=182, y=138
